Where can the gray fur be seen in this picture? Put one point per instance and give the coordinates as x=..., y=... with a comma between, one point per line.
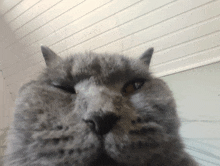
x=50, y=57
x=49, y=126
x=147, y=55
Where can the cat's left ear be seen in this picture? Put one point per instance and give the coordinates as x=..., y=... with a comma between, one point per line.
x=147, y=55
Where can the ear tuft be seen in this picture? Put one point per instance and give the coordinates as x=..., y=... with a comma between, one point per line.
x=147, y=55
x=50, y=57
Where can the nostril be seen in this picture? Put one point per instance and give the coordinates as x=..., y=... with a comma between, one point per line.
x=102, y=124
x=90, y=123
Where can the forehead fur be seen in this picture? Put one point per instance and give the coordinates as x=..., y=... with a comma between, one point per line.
x=103, y=67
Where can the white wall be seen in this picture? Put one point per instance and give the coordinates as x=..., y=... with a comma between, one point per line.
x=6, y=111
x=185, y=33
x=197, y=93
x=6, y=104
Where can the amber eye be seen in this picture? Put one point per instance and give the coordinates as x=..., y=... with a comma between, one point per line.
x=131, y=86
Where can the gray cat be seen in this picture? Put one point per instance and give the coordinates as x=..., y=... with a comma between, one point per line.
x=96, y=110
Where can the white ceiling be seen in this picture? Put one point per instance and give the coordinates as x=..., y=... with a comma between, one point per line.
x=184, y=33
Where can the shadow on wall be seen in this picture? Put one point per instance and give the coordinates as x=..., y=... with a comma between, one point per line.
x=3, y=144
x=13, y=58
x=9, y=56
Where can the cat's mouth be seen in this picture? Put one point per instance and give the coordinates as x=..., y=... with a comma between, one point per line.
x=105, y=160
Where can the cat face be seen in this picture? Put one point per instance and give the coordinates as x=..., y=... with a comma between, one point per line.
x=94, y=109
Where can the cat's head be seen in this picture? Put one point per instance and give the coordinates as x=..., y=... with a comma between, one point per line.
x=94, y=109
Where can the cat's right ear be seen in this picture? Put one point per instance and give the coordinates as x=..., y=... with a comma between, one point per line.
x=50, y=57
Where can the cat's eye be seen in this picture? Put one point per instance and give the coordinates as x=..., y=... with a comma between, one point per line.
x=131, y=86
x=64, y=87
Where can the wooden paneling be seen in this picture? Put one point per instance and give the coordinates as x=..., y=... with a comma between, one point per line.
x=184, y=33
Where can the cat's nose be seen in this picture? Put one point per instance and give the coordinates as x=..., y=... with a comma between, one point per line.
x=101, y=124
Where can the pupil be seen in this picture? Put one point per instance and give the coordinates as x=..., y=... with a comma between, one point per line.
x=137, y=85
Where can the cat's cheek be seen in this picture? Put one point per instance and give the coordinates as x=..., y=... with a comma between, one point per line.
x=130, y=150
x=75, y=145
x=139, y=101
